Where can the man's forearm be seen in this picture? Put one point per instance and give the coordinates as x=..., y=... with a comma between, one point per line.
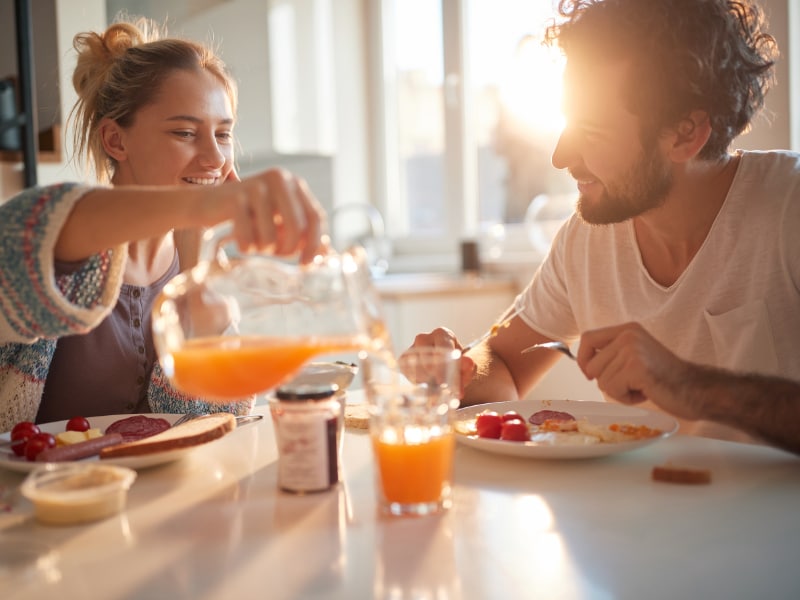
x=765, y=407
x=492, y=381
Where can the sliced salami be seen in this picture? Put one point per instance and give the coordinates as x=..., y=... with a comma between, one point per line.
x=138, y=427
x=541, y=416
x=79, y=450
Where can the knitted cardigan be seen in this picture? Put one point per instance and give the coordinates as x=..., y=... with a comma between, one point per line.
x=36, y=307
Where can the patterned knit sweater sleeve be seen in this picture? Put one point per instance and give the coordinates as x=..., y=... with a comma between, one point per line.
x=35, y=307
x=34, y=303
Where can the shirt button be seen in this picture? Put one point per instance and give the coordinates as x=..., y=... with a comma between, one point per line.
x=137, y=323
x=130, y=406
x=141, y=349
x=136, y=293
x=139, y=380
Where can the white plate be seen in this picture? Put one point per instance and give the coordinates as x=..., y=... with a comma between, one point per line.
x=598, y=413
x=8, y=460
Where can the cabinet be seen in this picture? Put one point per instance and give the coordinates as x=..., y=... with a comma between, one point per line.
x=418, y=303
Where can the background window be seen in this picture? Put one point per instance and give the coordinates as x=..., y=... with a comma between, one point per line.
x=470, y=106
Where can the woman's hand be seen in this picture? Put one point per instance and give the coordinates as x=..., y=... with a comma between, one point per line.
x=276, y=212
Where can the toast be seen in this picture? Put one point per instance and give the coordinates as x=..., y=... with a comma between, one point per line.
x=192, y=433
x=356, y=416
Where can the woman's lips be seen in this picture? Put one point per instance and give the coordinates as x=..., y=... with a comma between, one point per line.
x=201, y=180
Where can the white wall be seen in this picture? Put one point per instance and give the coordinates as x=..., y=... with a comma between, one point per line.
x=772, y=128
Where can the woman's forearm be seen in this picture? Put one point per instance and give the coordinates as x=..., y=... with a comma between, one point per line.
x=107, y=217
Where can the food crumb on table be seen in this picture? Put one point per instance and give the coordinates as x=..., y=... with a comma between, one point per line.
x=669, y=473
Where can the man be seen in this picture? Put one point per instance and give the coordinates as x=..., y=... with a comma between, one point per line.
x=680, y=270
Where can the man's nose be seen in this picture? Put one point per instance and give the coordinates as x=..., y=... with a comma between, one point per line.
x=564, y=154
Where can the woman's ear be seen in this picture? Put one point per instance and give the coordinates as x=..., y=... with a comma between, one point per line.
x=690, y=136
x=113, y=140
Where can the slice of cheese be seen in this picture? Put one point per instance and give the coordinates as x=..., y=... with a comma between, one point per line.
x=73, y=437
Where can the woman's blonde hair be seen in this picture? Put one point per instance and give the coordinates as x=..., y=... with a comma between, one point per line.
x=122, y=70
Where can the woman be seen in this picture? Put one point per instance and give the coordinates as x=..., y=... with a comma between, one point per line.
x=81, y=266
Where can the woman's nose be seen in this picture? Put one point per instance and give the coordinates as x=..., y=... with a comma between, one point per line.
x=211, y=155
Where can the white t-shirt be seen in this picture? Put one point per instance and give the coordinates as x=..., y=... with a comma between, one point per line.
x=737, y=304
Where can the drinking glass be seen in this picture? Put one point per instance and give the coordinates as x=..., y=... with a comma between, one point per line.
x=412, y=401
x=240, y=324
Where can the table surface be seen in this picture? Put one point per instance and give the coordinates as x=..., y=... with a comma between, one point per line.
x=214, y=525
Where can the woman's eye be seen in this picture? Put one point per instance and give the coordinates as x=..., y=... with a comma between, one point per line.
x=225, y=136
x=183, y=134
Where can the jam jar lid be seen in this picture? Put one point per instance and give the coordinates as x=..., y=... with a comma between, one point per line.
x=317, y=391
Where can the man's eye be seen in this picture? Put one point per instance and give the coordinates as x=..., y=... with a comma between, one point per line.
x=589, y=136
x=225, y=135
x=183, y=134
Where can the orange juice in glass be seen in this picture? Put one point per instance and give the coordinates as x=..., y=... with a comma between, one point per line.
x=415, y=468
x=412, y=401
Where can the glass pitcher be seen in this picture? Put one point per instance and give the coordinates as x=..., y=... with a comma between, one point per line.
x=242, y=323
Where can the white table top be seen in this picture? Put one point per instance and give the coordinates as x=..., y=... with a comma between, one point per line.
x=213, y=525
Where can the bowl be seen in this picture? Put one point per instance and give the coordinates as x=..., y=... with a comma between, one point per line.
x=67, y=494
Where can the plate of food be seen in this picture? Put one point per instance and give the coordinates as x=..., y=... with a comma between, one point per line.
x=134, y=441
x=560, y=429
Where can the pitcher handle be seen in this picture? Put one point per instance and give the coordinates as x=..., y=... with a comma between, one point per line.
x=213, y=242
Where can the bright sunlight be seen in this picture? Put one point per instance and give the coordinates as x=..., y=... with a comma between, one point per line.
x=531, y=90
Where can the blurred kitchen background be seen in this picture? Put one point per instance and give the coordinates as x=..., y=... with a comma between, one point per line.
x=419, y=124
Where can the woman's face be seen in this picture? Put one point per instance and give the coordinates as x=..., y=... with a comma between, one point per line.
x=185, y=137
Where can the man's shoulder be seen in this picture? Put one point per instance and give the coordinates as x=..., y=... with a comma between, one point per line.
x=756, y=164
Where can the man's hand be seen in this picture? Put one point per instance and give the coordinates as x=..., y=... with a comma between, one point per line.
x=631, y=366
x=442, y=337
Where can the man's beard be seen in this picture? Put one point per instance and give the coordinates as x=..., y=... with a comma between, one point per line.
x=644, y=187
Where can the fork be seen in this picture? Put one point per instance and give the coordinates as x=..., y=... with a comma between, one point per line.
x=240, y=420
x=560, y=346
x=490, y=332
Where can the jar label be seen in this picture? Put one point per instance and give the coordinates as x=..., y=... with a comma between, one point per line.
x=307, y=452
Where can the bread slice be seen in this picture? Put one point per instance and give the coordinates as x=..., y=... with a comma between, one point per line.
x=192, y=433
x=356, y=416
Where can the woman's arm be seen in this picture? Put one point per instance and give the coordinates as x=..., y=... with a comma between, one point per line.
x=271, y=211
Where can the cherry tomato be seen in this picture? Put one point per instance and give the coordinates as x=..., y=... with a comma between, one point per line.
x=78, y=424
x=38, y=443
x=512, y=415
x=19, y=439
x=25, y=426
x=514, y=430
x=488, y=425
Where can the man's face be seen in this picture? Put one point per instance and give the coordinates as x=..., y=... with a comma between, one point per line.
x=602, y=149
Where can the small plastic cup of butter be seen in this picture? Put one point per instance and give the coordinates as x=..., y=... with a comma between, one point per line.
x=72, y=493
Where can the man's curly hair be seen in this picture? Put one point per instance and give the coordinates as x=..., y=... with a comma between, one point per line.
x=684, y=55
